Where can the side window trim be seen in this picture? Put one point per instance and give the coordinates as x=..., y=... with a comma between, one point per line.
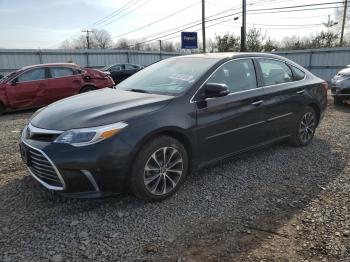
x=278, y=60
x=192, y=100
x=50, y=74
x=26, y=71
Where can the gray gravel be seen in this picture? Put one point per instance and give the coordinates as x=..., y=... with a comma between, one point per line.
x=278, y=204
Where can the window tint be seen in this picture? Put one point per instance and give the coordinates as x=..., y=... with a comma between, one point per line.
x=32, y=75
x=238, y=75
x=275, y=72
x=60, y=72
x=298, y=74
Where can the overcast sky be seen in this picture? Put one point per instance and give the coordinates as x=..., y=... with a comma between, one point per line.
x=46, y=23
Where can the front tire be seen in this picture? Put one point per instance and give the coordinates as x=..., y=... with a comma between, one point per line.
x=159, y=169
x=305, y=128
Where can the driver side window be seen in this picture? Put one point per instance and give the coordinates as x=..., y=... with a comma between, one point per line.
x=238, y=75
x=32, y=75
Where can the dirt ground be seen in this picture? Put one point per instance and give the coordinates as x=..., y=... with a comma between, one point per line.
x=278, y=204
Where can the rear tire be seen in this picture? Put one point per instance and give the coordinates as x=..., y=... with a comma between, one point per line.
x=337, y=101
x=159, y=169
x=305, y=128
x=87, y=89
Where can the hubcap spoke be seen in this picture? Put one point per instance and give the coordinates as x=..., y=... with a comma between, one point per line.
x=150, y=179
x=307, y=127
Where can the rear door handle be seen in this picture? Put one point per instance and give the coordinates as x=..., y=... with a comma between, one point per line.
x=301, y=91
x=258, y=102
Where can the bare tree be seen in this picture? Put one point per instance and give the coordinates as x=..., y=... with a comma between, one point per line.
x=122, y=43
x=101, y=39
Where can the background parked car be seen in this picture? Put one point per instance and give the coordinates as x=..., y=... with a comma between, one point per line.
x=39, y=85
x=120, y=72
x=340, y=86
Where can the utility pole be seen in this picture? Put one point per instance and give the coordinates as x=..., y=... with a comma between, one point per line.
x=203, y=26
x=243, y=28
x=343, y=25
x=330, y=23
x=160, y=49
x=87, y=31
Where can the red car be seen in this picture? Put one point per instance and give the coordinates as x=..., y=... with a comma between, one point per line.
x=39, y=85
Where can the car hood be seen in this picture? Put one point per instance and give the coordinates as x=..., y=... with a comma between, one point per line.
x=97, y=108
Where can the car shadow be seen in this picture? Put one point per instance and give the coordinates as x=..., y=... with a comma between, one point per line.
x=210, y=215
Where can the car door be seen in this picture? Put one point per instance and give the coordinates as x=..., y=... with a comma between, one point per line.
x=63, y=82
x=116, y=73
x=283, y=96
x=26, y=90
x=130, y=70
x=232, y=123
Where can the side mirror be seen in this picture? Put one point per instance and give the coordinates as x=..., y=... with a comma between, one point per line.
x=215, y=90
x=14, y=82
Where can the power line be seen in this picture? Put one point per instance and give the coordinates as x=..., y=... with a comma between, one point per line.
x=157, y=21
x=195, y=21
x=133, y=10
x=114, y=13
x=296, y=6
x=278, y=9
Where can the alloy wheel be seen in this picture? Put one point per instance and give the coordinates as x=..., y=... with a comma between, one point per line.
x=307, y=127
x=163, y=170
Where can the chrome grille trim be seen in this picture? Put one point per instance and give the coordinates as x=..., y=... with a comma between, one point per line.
x=44, y=159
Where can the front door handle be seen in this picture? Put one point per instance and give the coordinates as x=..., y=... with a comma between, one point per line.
x=258, y=102
x=301, y=91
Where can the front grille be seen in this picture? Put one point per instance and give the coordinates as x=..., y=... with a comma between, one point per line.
x=44, y=137
x=42, y=168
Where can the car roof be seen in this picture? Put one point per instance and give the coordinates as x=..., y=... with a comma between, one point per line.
x=228, y=55
x=50, y=65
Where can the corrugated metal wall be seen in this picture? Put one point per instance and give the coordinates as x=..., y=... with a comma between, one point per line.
x=324, y=63
x=12, y=59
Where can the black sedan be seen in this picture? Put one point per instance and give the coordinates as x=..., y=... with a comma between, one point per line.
x=120, y=72
x=170, y=119
x=340, y=86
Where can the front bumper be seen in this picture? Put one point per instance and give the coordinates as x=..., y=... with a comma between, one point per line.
x=89, y=171
x=337, y=91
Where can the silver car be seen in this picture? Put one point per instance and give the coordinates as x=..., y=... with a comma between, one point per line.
x=340, y=86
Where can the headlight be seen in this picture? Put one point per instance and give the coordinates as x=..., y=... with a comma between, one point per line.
x=88, y=136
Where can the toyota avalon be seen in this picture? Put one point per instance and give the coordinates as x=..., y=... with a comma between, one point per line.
x=169, y=119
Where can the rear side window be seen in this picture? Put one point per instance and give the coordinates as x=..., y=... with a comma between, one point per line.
x=61, y=72
x=32, y=75
x=238, y=75
x=275, y=72
x=297, y=73
x=116, y=68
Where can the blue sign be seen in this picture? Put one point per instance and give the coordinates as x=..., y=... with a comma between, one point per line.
x=189, y=40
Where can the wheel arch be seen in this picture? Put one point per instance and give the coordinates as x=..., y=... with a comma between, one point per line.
x=173, y=132
x=317, y=109
x=88, y=85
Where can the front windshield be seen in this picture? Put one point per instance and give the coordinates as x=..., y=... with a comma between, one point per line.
x=106, y=68
x=171, y=76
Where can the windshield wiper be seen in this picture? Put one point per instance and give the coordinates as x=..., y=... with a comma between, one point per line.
x=139, y=90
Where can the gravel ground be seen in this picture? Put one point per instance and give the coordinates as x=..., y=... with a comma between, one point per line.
x=278, y=204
